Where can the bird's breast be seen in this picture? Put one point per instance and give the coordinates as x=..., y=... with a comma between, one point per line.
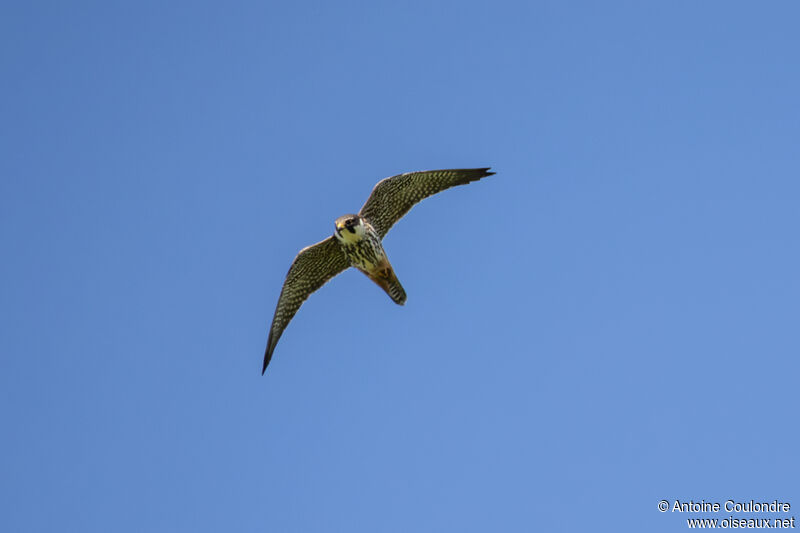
x=365, y=253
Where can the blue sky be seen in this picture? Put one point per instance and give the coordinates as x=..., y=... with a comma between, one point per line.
x=609, y=321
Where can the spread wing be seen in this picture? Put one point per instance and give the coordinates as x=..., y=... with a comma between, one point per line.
x=393, y=197
x=311, y=269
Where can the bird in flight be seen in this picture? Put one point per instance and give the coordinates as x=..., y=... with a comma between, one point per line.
x=356, y=242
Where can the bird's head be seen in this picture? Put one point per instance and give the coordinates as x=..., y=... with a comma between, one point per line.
x=349, y=228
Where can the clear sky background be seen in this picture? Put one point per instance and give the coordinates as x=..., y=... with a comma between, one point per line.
x=609, y=321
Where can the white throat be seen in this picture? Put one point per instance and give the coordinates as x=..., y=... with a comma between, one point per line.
x=348, y=237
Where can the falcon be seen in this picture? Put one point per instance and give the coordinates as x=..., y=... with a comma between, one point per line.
x=357, y=242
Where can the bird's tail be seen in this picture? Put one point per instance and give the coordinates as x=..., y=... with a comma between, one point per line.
x=387, y=280
x=395, y=290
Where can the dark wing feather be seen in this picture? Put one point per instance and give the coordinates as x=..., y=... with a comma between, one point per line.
x=393, y=197
x=311, y=269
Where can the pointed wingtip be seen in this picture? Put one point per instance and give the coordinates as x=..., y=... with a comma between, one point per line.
x=267, y=355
